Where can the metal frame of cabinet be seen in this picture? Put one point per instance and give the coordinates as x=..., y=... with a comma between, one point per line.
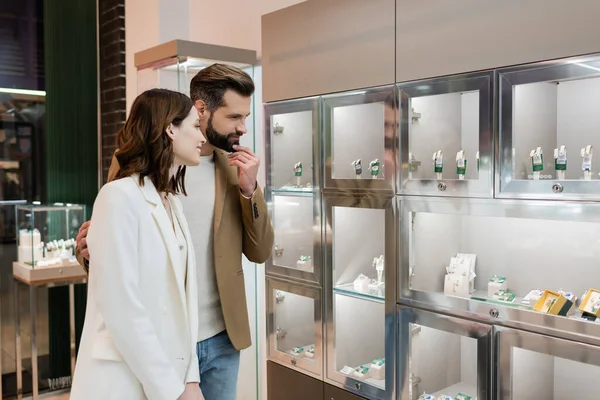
x=313, y=368
x=482, y=333
x=361, y=201
x=355, y=98
x=548, y=71
x=483, y=83
x=286, y=107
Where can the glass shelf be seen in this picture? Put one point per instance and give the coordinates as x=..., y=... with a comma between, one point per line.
x=377, y=294
x=293, y=190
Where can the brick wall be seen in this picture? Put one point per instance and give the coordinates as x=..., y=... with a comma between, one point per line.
x=112, y=76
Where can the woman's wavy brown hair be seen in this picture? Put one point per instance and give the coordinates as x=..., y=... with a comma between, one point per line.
x=143, y=145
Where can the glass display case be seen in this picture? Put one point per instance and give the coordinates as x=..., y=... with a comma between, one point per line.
x=532, y=366
x=519, y=262
x=549, y=126
x=443, y=357
x=172, y=65
x=446, y=136
x=46, y=239
x=360, y=129
x=359, y=259
x=293, y=168
x=294, y=326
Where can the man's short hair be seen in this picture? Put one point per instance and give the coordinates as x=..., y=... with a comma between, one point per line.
x=211, y=83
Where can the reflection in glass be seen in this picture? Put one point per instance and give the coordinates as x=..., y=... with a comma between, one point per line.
x=444, y=136
x=294, y=233
x=294, y=317
x=542, y=376
x=559, y=120
x=442, y=363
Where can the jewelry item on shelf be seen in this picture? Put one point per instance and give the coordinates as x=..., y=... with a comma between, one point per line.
x=304, y=262
x=504, y=296
x=462, y=396
x=298, y=173
x=378, y=368
x=298, y=351
x=560, y=162
x=444, y=397
x=460, y=275
x=374, y=168
x=310, y=351
x=347, y=370
x=438, y=163
x=553, y=303
x=357, y=164
x=532, y=297
x=379, y=266
x=586, y=164
x=572, y=298
x=361, y=283
x=537, y=162
x=278, y=251
x=590, y=304
x=461, y=165
x=496, y=284
x=277, y=129
x=362, y=372
x=426, y=396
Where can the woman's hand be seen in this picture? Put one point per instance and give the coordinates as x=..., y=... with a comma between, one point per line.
x=192, y=392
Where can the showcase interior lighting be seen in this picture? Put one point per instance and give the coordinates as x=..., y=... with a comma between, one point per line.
x=23, y=91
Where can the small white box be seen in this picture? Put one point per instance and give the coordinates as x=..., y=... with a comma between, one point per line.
x=458, y=285
x=378, y=369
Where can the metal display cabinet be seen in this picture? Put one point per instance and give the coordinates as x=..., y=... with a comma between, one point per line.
x=360, y=293
x=294, y=326
x=536, y=366
x=522, y=251
x=446, y=142
x=293, y=189
x=442, y=355
x=359, y=130
x=549, y=124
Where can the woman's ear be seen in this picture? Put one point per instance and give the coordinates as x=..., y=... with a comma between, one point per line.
x=170, y=131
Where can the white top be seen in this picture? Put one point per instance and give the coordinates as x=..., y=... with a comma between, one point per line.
x=199, y=210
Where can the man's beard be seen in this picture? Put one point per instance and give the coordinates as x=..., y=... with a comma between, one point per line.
x=219, y=140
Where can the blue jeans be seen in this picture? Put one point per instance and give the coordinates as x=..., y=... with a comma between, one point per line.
x=219, y=364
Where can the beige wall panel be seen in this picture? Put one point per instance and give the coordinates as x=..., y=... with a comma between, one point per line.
x=324, y=46
x=441, y=37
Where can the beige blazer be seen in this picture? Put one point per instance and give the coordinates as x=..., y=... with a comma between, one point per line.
x=241, y=227
x=141, y=319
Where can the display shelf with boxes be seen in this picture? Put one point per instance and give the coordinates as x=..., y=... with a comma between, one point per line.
x=360, y=129
x=295, y=326
x=292, y=159
x=519, y=262
x=445, y=136
x=534, y=366
x=443, y=357
x=549, y=128
x=360, y=293
x=46, y=242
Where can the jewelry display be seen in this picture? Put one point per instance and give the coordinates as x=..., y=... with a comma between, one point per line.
x=32, y=251
x=460, y=275
x=277, y=129
x=537, y=162
x=378, y=264
x=586, y=163
x=553, y=303
x=361, y=283
x=560, y=162
x=374, y=168
x=304, y=262
x=357, y=164
x=496, y=284
x=298, y=173
x=438, y=163
x=590, y=304
x=378, y=368
x=461, y=165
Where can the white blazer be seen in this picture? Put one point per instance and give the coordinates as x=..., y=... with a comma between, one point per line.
x=141, y=321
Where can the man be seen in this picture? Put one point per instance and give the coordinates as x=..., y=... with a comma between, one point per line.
x=227, y=217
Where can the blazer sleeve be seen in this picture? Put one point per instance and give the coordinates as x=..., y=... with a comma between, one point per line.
x=113, y=241
x=258, y=231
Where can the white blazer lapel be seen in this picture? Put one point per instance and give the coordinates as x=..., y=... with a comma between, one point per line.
x=166, y=229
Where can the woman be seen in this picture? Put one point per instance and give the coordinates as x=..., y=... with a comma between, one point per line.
x=139, y=337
